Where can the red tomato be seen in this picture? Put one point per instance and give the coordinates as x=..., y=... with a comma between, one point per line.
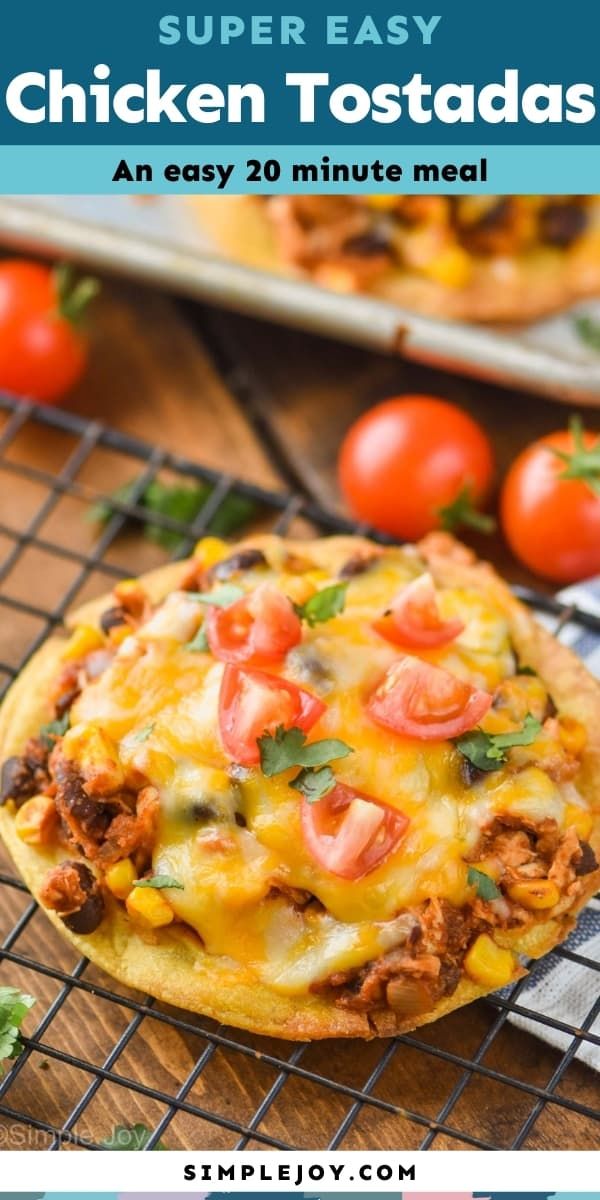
x=552, y=524
x=414, y=618
x=409, y=457
x=350, y=833
x=426, y=702
x=252, y=703
x=257, y=629
x=42, y=350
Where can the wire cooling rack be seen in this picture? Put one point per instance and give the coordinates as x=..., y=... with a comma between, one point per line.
x=97, y=1054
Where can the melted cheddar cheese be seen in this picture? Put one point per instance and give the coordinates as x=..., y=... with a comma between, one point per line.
x=157, y=705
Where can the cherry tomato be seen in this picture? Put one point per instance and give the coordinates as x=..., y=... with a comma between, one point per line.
x=257, y=629
x=252, y=703
x=350, y=833
x=408, y=458
x=42, y=350
x=414, y=618
x=422, y=701
x=550, y=520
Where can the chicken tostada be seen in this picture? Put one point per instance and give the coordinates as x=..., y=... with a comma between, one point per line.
x=476, y=258
x=310, y=789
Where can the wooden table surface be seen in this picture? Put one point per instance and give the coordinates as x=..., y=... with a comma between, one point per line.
x=270, y=405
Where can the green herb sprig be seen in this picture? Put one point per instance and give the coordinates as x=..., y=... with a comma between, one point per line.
x=131, y=1137
x=488, y=751
x=588, y=330
x=179, y=501
x=288, y=748
x=486, y=888
x=54, y=729
x=323, y=605
x=14, y=1005
x=222, y=597
x=160, y=882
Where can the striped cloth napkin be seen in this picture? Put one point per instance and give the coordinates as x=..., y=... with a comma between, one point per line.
x=559, y=988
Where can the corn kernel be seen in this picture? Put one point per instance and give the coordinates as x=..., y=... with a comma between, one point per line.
x=338, y=278
x=84, y=639
x=120, y=878
x=36, y=820
x=297, y=587
x=534, y=894
x=452, y=267
x=118, y=633
x=211, y=550
x=97, y=757
x=472, y=209
x=125, y=587
x=383, y=203
x=149, y=906
x=581, y=820
x=488, y=964
x=130, y=594
x=572, y=735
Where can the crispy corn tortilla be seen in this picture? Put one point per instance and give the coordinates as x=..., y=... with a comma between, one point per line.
x=501, y=289
x=170, y=963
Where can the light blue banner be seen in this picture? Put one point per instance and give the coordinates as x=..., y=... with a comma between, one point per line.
x=42, y=170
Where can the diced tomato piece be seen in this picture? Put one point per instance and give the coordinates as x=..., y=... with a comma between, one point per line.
x=422, y=701
x=350, y=833
x=252, y=703
x=414, y=618
x=257, y=629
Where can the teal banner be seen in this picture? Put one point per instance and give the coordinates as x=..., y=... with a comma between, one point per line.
x=221, y=169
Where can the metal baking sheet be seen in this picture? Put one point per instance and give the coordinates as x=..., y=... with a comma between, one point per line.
x=159, y=240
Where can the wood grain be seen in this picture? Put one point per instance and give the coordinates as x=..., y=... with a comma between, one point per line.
x=153, y=373
x=308, y=390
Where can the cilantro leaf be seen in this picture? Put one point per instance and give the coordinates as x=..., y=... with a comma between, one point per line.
x=588, y=330
x=323, y=605
x=142, y=735
x=13, y=1007
x=222, y=597
x=314, y=784
x=523, y=669
x=199, y=642
x=280, y=750
x=159, y=882
x=486, y=888
x=53, y=730
x=181, y=502
x=130, y=1137
x=487, y=751
x=287, y=748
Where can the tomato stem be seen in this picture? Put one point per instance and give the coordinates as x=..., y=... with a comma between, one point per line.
x=583, y=462
x=74, y=296
x=462, y=512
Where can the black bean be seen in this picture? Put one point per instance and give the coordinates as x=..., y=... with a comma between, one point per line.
x=469, y=773
x=112, y=617
x=357, y=565
x=17, y=781
x=495, y=215
x=587, y=863
x=241, y=820
x=88, y=917
x=242, y=561
x=202, y=811
x=367, y=245
x=561, y=224
x=64, y=702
